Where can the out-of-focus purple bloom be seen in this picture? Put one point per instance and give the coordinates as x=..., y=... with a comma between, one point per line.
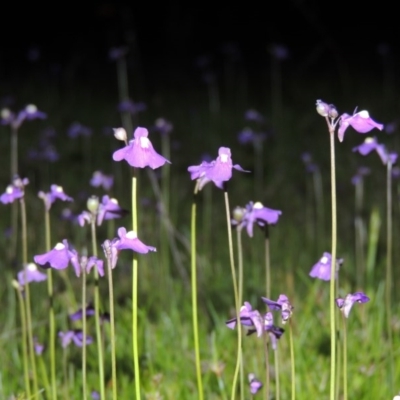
x=116, y=53
x=14, y=191
x=103, y=180
x=29, y=113
x=86, y=264
x=282, y=304
x=56, y=192
x=109, y=209
x=279, y=51
x=38, y=347
x=361, y=172
x=75, y=336
x=255, y=384
x=130, y=241
x=256, y=213
x=369, y=144
x=78, y=315
x=163, y=126
x=95, y=395
x=386, y=156
x=361, y=122
x=77, y=129
x=391, y=127
x=57, y=258
x=254, y=115
x=311, y=167
x=46, y=152
x=131, y=107
x=346, y=304
x=249, y=318
x=30, y=274
x=247, y=135
x=396, y=172
x=218, y=171
x=322, y=269
x=139, y=152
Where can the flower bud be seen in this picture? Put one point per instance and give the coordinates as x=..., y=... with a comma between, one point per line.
x=322, y=108
x=120, y=134
x=93, y=204
x=238, y=213
x=333, y=113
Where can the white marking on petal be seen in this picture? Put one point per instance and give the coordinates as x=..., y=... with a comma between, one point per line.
x=369, y=140
x=31, y=108
x=113, y=200
x=59, y=246
x=144, y=142
x=10, y=189
x=5, y=113
x=131, y=235
x=258, y=205
x=31, y=267
x=324, y=260
x=223, y=158
x=363, y=114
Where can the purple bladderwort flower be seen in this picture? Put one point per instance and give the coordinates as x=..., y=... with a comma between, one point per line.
x=78, y=315
x=56, y=192
x=274, y=332
x=109, y=209
x=139, y=152
x=254, y=115
x=131, y=107
x=346, y=304
x=14, y=191
x=95, y=395
x=360, y=121
x=111, y=252
x=359, y=176
x=30, y=274
x=102, y=180
x=247, y=135
x=38, y=347
x=386, y=156
x=218, y=171
x=370, y=144
x=86, y=263
x=249, y=318
x=163, y=126
x=115, y=53
x=58, y=258
x=76, y=129
x=29, y=113
x=254, y=383
x=282, y=304
x=130, y=241
x=256, y=213
x=75, y=336
x=322, y=269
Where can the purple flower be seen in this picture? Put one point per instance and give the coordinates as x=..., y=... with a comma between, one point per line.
x=361, y=122
x=282, y=304
x=322, y=269
x=29, y=113
x=78, y=315
x=274, y=332
x=140, y=152
x=385, y=156
x=311, y=167
x=95, y=395
x=130, y=241
x=109, y=209
x=361, y=172
x=86, y=264
x=30, y=274
x=75, y=336
x=256, y=213
x=57, y=258
x=254, y=115
x=218, y=171
x=249, y=318
x=346, y=304
x=111, y=252
x=131, y=107
x=371, y=144
x=100, y=179
x=38, y=347
x=56, y=192
x=255, y=384
x=163, y=126
x=77, y=129
x=14, y=191
x=279, y=51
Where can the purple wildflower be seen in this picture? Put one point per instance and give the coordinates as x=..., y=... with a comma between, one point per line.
x=361, y=172
x=282, y=304
x=361, y=122
x=255, y=384
x=95, y=395
x=86, y=264
x=346, y=304
x=57, y=258
x=311, y=167
x=130, y=241
x=14, y=191
x=78, y=315
x=38, y=347
x=279, y=51
x=30, y=274
x=322, y=269
x=29, y=113
x=386, y=156
x=77, y=129
x=254, y=115
x=163, y=126
x=75, y=336
x=139, y=152
x=111, y=252
x=369, y=144
x=249, y=318
x=56, y=192
x=109, y=209
x=103, y=180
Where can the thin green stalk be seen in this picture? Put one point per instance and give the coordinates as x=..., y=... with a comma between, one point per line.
x=25, y=355
x=388, y=292
x=194, y=294
x=344, y=357
x=266, y=351
x=333, y=263
x=277, y=381
x=52, y=326
x=292, y=363
x=97, y=315
x=135, y=345
x=112, y=329
x=84, y=334
x=240, y=273
x=338, y=344
x=236, y=294
x=267, y=263
x=28, y=298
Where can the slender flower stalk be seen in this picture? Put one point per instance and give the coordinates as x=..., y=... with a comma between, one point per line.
x=292, y=363
x=84, y=334
x=344, y=357
x=194, y=294
x=267, y=263
x=277, y=380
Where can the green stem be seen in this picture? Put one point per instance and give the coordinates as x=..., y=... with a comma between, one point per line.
x=28, y=298
x=293, y=372
x=277, y=382
x=344, y=358
x=84, y=333
x=266, y=351
x=389, y=246
x=52, y=327
x=267, y=263
x=194, y=294
x=135, y=345
x=97, y=315
x=333, y=263
x=236, y=294
x=240, y=287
